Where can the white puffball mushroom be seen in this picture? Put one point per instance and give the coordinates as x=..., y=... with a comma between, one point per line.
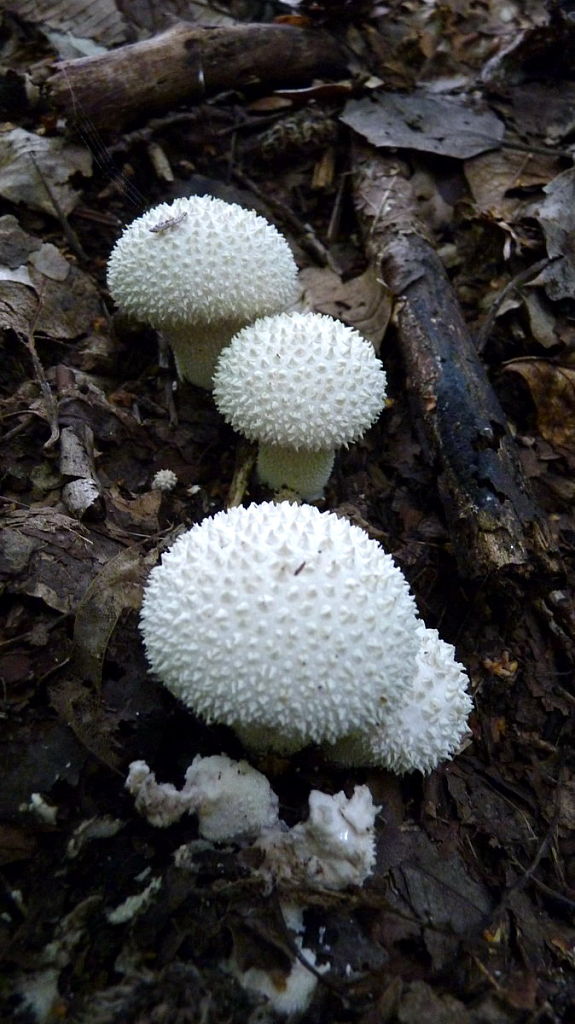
x=283, y=620
x=427, y=726
x=302, y=385
x=198, y=269
x=164, y=480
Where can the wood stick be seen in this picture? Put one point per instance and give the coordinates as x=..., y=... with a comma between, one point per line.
x=188, y=63
x=492, y=517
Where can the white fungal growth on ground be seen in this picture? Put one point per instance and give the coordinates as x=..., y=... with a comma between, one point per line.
x=332, y=849
x=230, y=798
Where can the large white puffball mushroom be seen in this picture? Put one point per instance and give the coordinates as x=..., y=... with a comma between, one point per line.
x=427, y=726
x=282, y=620
x=302, y=385
x=198, y=269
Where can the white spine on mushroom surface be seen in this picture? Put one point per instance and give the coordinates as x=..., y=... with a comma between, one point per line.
x=302, y=385
x=198, y=269
x=283, y=621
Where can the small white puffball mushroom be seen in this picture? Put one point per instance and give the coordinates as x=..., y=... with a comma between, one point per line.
x=164, y=480
x=282, y=620
x=334, y=848
x=230, y=798
x=302, y=385
x=427, y=726
x=198, y=269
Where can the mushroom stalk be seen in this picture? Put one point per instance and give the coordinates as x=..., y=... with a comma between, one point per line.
x=196, y=348
x=304, y=471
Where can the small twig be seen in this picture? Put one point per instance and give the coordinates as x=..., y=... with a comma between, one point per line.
x=70, y=235
x=305, y=233
x=165, y=368
x=245, y=461
x=49, y=400
x=519, y=279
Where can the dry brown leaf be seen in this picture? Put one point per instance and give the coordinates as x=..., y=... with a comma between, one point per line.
x=35, y=170
x=101, y=20
x=497, y=179
x=362, y=302
x=552, y=390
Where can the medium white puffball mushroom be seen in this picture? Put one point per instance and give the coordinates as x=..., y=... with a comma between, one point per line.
x=427, y=726
x=281, y=620
x=198, y=269
x=302, y=385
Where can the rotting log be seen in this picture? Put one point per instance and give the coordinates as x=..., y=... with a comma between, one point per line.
x=188, y=64
x=494, y=523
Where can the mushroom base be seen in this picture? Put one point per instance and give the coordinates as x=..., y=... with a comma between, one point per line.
x=197, y=348
x=304, y=471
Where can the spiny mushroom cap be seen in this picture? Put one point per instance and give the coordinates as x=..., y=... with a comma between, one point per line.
x=201, y=260
x=429, y=723
x=302, y=380
x=283, y=618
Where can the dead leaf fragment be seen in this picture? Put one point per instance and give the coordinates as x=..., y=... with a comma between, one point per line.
x=362, y=302
x=40, y=288
x=552, y=389
x=116, y=588
x=30, y=165
x=556, y=214
x=101, y=21
x=47, y=555
x=498, y=179
x=447, y=125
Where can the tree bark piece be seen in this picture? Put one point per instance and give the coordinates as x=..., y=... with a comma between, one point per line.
x=188, y=63
x=494, y=522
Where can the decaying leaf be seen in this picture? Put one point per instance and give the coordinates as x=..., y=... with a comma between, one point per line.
x=40, y=288
x=116, y=588
x=552, y=389
x=499, y=180
x=556, y=214
x=34, y=168
x=448, y=125
x=101, y=21
x=48, y=555
x=362, y=302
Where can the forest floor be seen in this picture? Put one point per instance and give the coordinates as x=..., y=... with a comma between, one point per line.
x=468, y=915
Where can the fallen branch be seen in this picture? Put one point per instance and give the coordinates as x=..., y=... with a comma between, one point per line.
x=185, y=64
x=493, y=519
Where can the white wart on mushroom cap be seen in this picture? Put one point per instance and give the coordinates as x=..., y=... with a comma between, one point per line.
x=302, y=385
x=198, y=269
x=282, y=620
x=427, y=726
